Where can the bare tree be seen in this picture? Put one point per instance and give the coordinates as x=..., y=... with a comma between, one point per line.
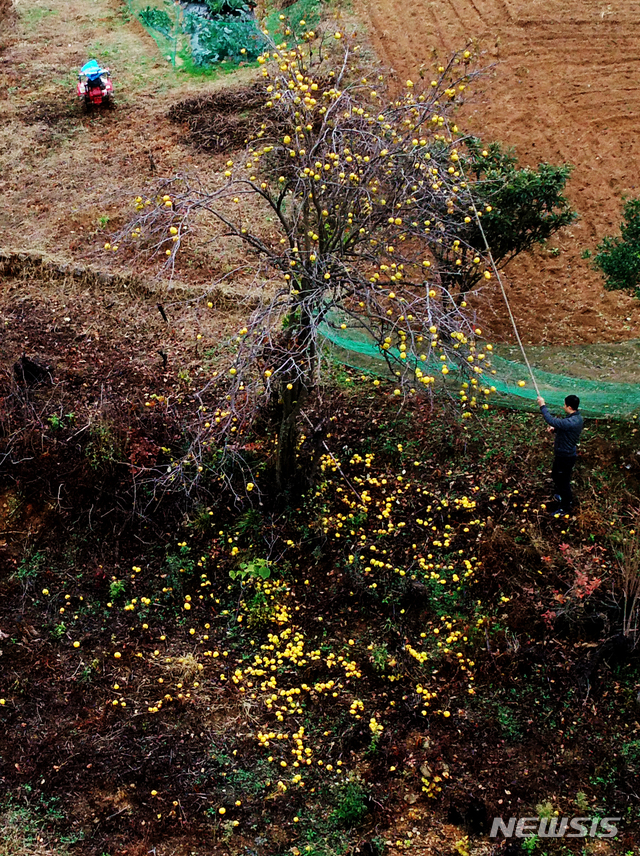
x=363, y=194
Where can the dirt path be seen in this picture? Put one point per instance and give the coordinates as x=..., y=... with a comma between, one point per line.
x=563, y=88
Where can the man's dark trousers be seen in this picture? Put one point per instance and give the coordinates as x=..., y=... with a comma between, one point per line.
x=562, y=469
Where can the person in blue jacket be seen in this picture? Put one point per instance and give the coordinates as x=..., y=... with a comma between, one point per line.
x=567, y=432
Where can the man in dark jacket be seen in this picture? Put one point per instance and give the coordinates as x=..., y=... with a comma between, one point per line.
x=567, y=433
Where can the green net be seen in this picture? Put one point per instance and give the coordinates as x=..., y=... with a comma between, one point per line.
x=216, y=31
x=163, y=20
x=619, y=399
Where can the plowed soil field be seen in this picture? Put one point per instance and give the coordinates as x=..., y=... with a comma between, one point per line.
x=562, y=86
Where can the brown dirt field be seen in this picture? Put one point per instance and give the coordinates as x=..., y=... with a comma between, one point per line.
x=561, y=88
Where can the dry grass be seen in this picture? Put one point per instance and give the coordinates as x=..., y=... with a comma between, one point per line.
x=7, y=17
x=20, y=835
x=185, y=667
x=221, y=121
x=7, y=11
x=68, y=179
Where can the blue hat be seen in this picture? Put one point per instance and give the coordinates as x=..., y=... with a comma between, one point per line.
x=91, y=69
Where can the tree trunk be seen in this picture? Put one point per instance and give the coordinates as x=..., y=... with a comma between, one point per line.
x=294, y=397
x=286, y=456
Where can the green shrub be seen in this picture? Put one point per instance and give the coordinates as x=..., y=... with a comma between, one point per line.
x=117, y=588
x=351, y=806
x=253, y=569
x=30, y=566
x=618, y=258
x=302, y=10
x=631, y=754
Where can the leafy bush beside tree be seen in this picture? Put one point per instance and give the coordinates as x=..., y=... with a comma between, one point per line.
x=521, y=207
x=618, y=258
